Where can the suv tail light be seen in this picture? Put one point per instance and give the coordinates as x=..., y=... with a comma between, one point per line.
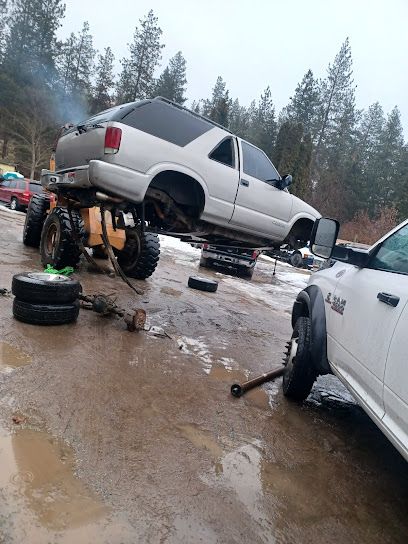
x=255, y=255
x=205, y=246
x=26, y=194
x=113, y=136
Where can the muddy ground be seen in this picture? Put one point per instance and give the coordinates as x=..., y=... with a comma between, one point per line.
x=130, y=438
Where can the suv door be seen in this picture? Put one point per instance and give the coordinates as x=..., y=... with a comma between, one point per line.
x=259, y=206
x=366, y=306
x=4, y=190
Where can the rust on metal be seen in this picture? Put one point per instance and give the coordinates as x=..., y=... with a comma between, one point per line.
x=237, y=390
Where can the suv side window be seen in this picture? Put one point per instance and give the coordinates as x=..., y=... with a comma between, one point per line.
x=257, y=164
x=393, y=253
x=224, y=153
x=13, y=184
x=167, y=122
x=5, y=183
x=22, y=184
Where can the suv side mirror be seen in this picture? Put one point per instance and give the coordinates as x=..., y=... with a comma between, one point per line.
x=284, y=182
x=324, y=236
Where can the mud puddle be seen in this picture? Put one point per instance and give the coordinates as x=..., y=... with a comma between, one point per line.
x=41, y=499
x=11, y=357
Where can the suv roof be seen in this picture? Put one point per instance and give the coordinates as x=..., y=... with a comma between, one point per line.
x=117, y=113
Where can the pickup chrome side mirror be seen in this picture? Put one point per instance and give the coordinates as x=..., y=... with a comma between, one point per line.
x=324, y=236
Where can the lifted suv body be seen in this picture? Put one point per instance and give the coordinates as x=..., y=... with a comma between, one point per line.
x=193, y=176
x=358, y=328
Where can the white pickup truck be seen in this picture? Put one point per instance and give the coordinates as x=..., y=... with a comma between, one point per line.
x=352, y=320
x=191, y=176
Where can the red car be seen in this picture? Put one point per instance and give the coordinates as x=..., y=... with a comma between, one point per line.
x=17, y=192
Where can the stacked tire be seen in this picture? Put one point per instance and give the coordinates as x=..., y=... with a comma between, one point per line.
x=45, y=299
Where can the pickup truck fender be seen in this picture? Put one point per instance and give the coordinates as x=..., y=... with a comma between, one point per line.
x=310, y=303
x=174, y=167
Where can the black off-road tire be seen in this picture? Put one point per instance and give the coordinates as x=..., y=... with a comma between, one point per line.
x=44, y=288
x=139, y=258
x=14, y=204
x=45, y=314
x=296, y=260
x=300, y=373
x=245, y=272
x=58, y=246
x=202, y=284
x=34, y=220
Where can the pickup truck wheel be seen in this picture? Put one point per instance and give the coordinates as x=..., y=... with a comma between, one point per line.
x=299, y=375
x=139, y=258
x=58, y=246
x=14, y=205
x=34, y=220
x=45, y=314
x=44, y=288
x=296, y=260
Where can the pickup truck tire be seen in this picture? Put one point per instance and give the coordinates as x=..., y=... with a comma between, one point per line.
x=34, y=220
x=45, y=314
x=202, y=284
x=58, y=246
x=139, y=258
x=296, y=260
x=44, y=288
x=300, y=374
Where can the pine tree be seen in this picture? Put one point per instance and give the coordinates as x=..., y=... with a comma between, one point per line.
x=336, y=96
x=172, y=82
x=102, y=91
x=263, y=123
x=239, y=120
x=33, y=47
x=136, y=79
x=305, y=103
x=387, y=186
x=3, y=28
x=76, y=68
x=293, y=155
x=218, y=107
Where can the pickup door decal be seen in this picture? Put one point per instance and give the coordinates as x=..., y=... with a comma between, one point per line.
x=336, y=303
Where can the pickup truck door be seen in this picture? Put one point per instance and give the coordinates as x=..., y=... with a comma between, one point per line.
x=260, y=207
x=366, y=306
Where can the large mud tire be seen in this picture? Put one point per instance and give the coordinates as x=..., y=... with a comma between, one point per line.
x=34, y=221
x=58, y=246
x=43, y=288
x=139, y=258
x=300, y=373
x=45, y=314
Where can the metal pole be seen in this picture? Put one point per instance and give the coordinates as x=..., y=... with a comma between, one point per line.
x=237, y=390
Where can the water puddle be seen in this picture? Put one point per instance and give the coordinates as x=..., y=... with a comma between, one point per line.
x=41, y=499
x=11, y=357
x=257, y=396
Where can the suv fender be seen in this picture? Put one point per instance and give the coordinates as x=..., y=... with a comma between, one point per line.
x=310, y=303
x=171, y=167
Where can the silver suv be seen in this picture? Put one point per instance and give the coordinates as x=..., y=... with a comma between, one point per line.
x=181, y=173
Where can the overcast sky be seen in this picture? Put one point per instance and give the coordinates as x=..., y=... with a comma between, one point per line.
x=255, y=43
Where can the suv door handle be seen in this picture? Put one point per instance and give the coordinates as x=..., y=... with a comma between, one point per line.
x=391, y=300
x=244, y=182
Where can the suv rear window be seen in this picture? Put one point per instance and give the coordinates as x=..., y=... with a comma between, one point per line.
x=36, y=187
x=167, y=122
